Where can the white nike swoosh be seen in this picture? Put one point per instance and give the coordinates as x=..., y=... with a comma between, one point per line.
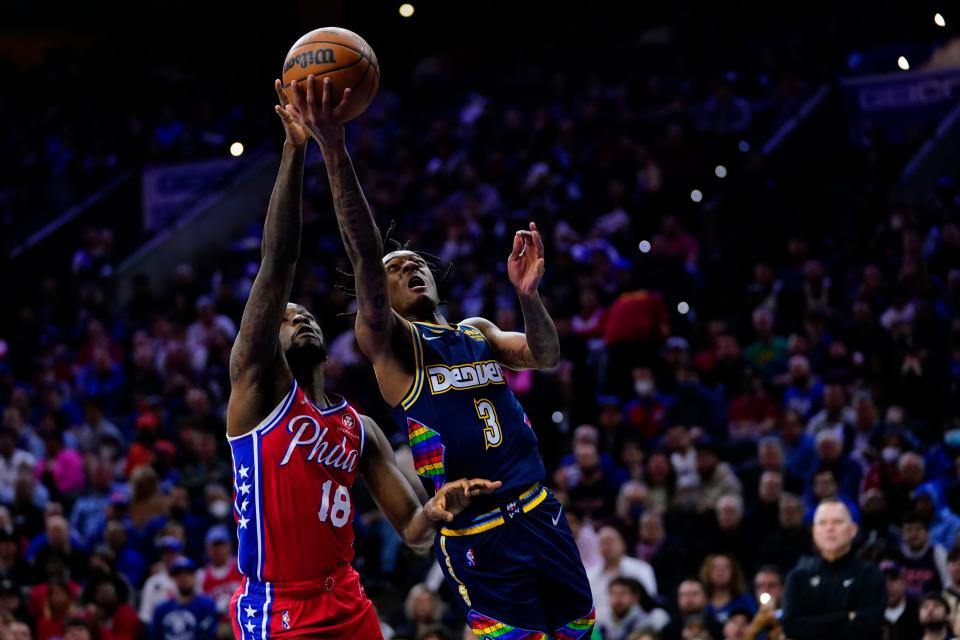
x=433, y=338
x=556, y=518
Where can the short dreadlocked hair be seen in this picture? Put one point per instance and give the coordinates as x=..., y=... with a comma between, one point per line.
x=391, y=244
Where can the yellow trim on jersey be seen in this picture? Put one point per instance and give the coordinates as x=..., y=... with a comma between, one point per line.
x=496, y=522
x=418, y=375
x=462, y=588
x=451, y=327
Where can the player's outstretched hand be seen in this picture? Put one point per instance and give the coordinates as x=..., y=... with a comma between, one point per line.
x=525, y=265
x=454, y=497
x=293, y=125
x=314, y=99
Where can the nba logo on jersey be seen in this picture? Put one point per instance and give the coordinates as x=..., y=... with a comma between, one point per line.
x=286, y=619
x=513, y=509
x=348, y=421
x=471, y=560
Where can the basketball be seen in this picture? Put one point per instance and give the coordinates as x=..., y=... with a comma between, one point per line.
x=340, y=55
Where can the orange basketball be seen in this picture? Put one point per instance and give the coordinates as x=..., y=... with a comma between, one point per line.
x=340, y=55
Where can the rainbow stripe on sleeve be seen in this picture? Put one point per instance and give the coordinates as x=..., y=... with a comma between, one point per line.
x=427, y=452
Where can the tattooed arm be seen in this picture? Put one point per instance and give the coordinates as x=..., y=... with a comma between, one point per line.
x=258, y=374
x=376, y=322
x=539, y=346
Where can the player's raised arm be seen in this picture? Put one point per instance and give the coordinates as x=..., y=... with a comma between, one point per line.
x=416, y=524
x=258, y=377
x=538, y=347
x=361, y=238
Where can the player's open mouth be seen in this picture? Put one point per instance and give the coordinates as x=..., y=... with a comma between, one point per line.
x=307, y=331
x=416, y=282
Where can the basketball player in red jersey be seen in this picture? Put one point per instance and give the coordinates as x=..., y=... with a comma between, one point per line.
x=297, y=451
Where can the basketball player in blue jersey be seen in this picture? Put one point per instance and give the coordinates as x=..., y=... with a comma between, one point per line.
x=510, y=556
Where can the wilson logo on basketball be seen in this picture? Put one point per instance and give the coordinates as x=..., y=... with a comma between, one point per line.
x=307, y=58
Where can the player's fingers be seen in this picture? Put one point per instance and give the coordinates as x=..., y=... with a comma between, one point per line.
x=517, y=246
x=479, y=486
x=327, y=90
x=344, y=101
x=296, y=90
x=311, y=92
x=541, y=266
x=537, y=240
x=278, y=86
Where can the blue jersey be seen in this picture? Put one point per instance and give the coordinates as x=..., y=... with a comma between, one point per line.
x=195, y=620
x=462, y=419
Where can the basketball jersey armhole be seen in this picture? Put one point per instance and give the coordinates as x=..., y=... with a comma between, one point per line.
x=363, y=433
x=275, y=416
x=417, y=385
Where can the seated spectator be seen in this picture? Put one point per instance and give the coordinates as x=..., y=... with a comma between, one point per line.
x=58, y=606
x=804, y=393
x=944, y=524
x=423, y=611
x=221, y=577
x=935, y=617
x=59, y=541
x=753, y=413
x=665, y=553
x=161, y=586
x=737, y=624
x=188, y=614
x=726, y=587
x=646, y=410
x=660, y=480
x=798, y=449
x=631, y=609
x=716, y=478
x=923, y=563
x=617, y=563
x=901, y=616
x=113, y=617
x=768, y=353
x=691, y=606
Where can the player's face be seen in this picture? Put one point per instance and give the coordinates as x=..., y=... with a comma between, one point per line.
x=410, y=283
x=300, y=332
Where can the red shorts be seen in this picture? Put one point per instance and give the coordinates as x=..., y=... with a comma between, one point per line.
x=331, y=607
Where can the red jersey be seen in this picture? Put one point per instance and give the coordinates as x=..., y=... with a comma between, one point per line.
x=292, y=480
x=220, y=583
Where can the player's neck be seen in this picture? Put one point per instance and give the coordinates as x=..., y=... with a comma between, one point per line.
x=312, y=382
x=435, y=317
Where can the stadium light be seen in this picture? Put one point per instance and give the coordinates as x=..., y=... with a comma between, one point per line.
x=720, y=171
x=683, y=308
x=236, y=149
x=939, y=21
x=744, y=146
x=645, y=246
x=406, y=9
x=903, y=63
x=557, y=417
x=696, y=195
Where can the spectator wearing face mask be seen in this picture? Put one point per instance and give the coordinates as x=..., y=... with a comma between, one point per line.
x=646, y=410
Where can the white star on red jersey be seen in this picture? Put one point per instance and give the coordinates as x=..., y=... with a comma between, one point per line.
x=244, y=488
x=249, y=627
x=246, y=503
x=250, y=611
x=243, y=471
x=244, y=522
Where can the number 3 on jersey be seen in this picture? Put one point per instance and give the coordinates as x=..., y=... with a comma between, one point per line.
x=491, y=432
x=340, y=512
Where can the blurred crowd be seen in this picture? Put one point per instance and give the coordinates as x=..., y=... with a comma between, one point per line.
x=706, y=401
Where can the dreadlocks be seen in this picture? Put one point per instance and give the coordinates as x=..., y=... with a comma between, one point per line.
x=436, y=264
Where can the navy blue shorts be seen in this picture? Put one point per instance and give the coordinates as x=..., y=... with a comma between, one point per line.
x=518, y=571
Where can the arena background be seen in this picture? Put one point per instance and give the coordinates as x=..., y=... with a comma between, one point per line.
x=778, y=181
